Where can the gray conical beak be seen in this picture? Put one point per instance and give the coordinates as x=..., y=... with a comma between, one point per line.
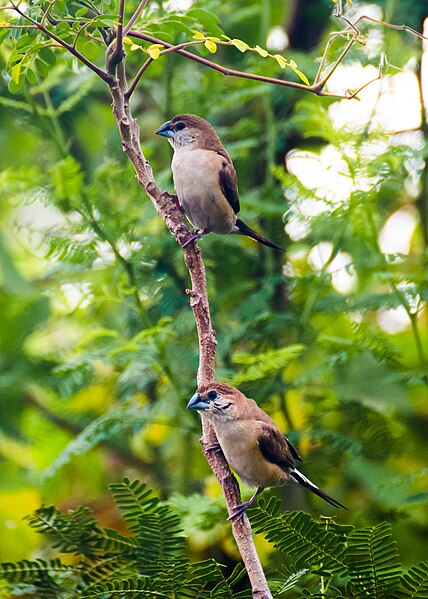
x=165, y=130
x=197, y=403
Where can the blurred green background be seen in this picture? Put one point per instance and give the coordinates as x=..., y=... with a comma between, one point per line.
x=98, y=350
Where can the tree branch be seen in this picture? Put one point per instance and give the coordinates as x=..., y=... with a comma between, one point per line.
x=115, y=53
x=130, y=135
x=135, y=16
x=93, y=67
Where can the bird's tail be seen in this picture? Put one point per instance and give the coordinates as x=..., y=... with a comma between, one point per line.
x=244, y=229
x=305, y=482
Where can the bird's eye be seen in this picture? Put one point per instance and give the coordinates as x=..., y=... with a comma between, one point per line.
x=211, y=395
x=179, y=126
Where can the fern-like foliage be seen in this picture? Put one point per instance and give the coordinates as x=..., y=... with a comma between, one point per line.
x=324, y=560
x=150, y=562
x=373, y=562
x=414, y=583
x=304, y=539
x=363, y=563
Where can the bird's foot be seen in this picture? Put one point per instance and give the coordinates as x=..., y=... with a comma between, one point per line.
x=197, y=234
x=215, y=447
x=240, y=509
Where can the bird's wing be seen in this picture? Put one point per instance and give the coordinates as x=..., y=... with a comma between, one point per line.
x=293, y=450
x=275, y=448
x=228, y=181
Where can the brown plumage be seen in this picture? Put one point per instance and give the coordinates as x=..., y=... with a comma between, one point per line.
x=251, y=442
x=205, y=178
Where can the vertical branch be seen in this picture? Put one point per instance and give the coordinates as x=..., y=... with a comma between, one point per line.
x=130, y=135
x=115, y=53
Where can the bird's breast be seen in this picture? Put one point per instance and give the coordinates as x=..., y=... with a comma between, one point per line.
x=239, y=442
x=196, y=175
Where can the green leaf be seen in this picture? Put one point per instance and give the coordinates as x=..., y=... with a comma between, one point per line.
x=197, y=35
x=41, y=68
x=294, y=68
x=261, y=51
x=80, y=13
x=299, y=536
x=31, y=76
x=91, y=50
x=14, y=87
x=15, y=73
x=154, y=50
x=242, y=46
x=259, y=365
x=211, y=46
x=414, y=583
x=48, y=56
x=280, y=60
x=373, y=562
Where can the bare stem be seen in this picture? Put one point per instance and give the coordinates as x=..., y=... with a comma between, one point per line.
x=115, y=51
x=135, y=16
x=138, y=77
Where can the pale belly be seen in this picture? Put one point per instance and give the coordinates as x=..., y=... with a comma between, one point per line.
x=244, y=455
x=197, y=183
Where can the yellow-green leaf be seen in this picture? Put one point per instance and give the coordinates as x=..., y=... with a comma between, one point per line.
x=242, y=46
x=280, y=60
x=135, y=47
x=127, y=40
x=197, y=35
x=154, y=51
x=302, y=76
x=213, y=39
x=16, y=71
x=212, y=47
x=261, y=51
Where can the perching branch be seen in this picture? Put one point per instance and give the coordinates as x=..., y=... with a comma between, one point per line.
x=130, y=134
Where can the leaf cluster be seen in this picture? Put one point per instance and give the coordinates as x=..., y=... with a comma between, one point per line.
x=149, y=561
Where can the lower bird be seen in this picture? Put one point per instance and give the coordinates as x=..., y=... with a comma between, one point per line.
x=205, y=178
x=251, y=442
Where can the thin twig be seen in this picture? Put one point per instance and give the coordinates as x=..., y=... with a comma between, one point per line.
x=104, y=76
x=149, y=62
x=46, y=13
x=221, y=69
x=135, y=16
x=115, y=52
x=348, y=46
x=384, y=24
x=138, y=77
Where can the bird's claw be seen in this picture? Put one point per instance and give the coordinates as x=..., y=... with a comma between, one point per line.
x=215, y=447
x=239, y=510
x=195, y=237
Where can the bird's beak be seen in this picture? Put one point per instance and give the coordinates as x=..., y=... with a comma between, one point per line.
x=197, y=403
x=165, y=130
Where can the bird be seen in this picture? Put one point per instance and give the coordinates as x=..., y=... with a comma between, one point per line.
x=205, y=178
x=251, y=442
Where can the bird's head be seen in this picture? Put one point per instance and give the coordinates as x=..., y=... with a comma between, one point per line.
x=190, y=131
x=218, y=401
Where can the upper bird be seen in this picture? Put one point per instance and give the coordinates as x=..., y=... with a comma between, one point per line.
x=205, y=178
x=251, y=442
